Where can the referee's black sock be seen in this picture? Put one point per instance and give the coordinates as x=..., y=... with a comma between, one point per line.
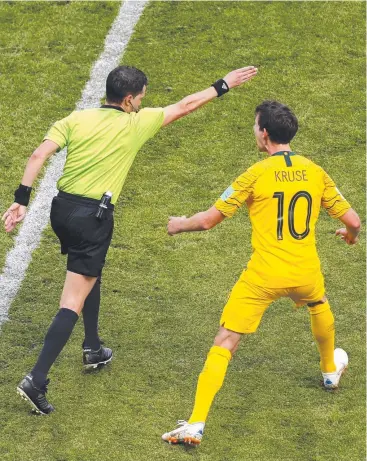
x=55, y=339
x=90, y=317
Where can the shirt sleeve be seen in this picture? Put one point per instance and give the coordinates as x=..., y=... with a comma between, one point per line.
x=148, y=121
x=332, y=199
x=237, y=193
x=59, y=132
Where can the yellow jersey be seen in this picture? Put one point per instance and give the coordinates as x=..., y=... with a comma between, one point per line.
x=283, y=194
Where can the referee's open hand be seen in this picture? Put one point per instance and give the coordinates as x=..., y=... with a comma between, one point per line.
x=239, y=76
x=14, y=215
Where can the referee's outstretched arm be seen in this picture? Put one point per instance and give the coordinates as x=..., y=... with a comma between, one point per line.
x=220, y=87
x=130, y=102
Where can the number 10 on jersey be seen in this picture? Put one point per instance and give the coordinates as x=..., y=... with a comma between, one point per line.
x=292, y=205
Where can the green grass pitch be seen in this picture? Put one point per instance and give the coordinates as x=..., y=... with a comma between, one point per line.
x=162, y=296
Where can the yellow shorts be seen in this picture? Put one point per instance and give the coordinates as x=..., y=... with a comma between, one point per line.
x=248, y=302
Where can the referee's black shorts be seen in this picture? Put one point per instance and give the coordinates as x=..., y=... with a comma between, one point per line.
x=83, y=237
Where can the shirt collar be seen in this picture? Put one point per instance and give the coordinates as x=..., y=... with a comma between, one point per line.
x=283, y=152
x=108, y=106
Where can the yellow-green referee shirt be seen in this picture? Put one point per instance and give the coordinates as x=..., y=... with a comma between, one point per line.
x=101, y=147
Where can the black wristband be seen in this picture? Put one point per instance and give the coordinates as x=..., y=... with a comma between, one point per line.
x=22, y=195
x=221, y=87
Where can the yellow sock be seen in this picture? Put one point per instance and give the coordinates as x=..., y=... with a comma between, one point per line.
x=210, y=381
x=322, y=325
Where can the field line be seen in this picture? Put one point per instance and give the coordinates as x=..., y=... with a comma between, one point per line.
x=29, y=236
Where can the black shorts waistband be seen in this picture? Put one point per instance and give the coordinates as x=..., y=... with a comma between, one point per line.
x=82, y=200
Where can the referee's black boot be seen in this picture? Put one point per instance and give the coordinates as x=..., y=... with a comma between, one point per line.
x=94, y=359
x=34, y=395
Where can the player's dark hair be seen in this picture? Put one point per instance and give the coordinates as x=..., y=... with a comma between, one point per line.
x=279, y=121
x=122, y=81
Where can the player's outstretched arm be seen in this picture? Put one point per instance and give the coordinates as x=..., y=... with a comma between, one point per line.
x=194, y=101
x=204, y=220
x=16, y=212
x=352, y=223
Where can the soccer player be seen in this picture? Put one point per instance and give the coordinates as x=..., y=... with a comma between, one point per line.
x=102, y=144
x=284, y=194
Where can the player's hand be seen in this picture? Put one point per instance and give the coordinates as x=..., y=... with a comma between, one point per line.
x=239, y=76
x=344, y=235
x=174, y=225
x=14, y=215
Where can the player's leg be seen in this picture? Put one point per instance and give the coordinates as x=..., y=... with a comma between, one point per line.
x=242, y=315
x=333, y=362
x=212, y=376
x=33, y=387
x=323, y=330
x=90, y=317
x=94, y=354
x=209, y=383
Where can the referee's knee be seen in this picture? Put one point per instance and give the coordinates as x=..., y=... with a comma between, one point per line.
x=73, y=303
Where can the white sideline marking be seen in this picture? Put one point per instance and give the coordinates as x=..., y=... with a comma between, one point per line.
x=29, y=236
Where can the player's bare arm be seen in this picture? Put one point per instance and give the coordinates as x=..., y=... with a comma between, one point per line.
x=17, y=211
x=204, y=220
x=194, y=101
x=352, y=228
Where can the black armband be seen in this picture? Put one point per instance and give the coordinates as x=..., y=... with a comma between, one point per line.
x=221, y=87
x=22, y=195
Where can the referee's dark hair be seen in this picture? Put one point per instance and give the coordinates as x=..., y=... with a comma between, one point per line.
x=122, y=81
x=278, y=120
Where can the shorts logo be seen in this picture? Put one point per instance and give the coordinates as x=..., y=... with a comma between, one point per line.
x=227, y=193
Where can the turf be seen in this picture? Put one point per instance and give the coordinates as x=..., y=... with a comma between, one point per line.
x=162, y=296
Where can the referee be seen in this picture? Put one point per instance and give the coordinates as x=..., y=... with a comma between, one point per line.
x=101, y=146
